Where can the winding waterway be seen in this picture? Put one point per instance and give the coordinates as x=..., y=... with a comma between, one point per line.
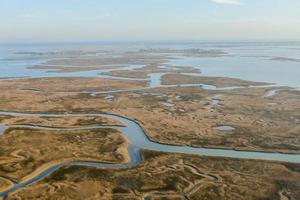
x=138, y=141
x=237, y=66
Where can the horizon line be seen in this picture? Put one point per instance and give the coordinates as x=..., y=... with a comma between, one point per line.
x=152, y=41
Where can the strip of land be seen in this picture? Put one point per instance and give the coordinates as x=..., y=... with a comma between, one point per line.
x=219, y=82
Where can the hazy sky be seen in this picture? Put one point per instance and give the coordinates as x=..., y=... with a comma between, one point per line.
x=72, y=20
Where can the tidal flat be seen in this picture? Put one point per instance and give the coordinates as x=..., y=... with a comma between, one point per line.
x=62, y=137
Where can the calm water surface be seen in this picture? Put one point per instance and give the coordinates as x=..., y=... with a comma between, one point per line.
x=245, y=60
x=252, y=62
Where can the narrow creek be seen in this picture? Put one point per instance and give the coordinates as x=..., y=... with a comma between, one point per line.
x=138, y=141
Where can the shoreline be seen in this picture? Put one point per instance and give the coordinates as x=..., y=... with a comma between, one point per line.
x=144, y=131
x=50, y=167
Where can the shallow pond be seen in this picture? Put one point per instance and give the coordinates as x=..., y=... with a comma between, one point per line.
x=138, y=140
x=224, y=128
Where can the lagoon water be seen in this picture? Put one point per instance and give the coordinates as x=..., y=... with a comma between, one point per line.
x=245, y=60
x=251, y=61
x=224, y=128
x=138, y=140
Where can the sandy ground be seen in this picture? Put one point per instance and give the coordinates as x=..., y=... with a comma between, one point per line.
x=54, y=68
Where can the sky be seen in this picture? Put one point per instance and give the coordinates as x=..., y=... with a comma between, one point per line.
x=90, y=20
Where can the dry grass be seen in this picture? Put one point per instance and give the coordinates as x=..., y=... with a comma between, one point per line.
x=24, y=150
x=177, y=79
x=171, y=176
